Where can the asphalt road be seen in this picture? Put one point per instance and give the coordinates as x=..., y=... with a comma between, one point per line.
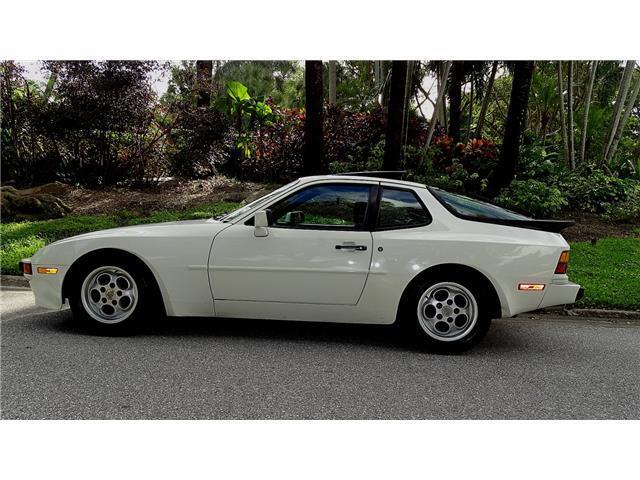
x=228, y=369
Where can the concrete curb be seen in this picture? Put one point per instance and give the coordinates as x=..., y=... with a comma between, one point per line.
x=603, y=313
x=589, y=313
x=13, y=281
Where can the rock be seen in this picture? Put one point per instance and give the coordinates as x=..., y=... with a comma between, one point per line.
x=56, y=189
x=33, y=203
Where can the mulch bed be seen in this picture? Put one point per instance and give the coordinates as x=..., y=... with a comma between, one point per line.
x=174, y=194
x=591, y=227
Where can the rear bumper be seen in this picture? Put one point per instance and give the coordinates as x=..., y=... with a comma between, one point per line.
x=561, y=294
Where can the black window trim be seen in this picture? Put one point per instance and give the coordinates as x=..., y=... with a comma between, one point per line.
x=365, y=227
x=380, y=188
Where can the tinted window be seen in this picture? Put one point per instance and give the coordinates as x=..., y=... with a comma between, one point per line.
x=401, y=209
x=340, y=205
x=474, y=208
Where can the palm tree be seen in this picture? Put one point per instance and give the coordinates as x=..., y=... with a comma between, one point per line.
x=587, y=104
x=625, y=117
x=572, y=157
x=485, y=100
x=455, y=99
x=563, y=121
x=377, y=78
x=313, y=142
x=395, y=115
x=617, y=109
x=502, y=175
x=332, y=82
x=442, y=88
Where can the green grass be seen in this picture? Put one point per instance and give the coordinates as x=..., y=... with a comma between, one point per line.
x=22, y=239
x=609, y=271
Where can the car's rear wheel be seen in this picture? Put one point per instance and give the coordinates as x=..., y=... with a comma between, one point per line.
x=448, y=315
x=109, y=296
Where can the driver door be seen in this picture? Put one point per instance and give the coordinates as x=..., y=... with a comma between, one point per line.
x=317, y=250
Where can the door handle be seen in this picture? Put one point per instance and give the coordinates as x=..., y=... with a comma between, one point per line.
x=359, y=248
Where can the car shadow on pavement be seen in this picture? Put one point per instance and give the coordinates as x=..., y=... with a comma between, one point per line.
x=499, y=338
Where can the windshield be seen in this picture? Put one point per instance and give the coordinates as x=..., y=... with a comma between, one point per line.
x=469, y=207
x=229, y=217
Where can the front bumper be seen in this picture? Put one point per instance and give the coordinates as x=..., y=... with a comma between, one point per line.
x=47, y=288
x=561, y=294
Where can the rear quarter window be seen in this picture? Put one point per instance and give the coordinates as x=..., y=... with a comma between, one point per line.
x=468, y=207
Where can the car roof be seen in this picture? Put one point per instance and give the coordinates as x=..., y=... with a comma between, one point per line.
x=359, y=178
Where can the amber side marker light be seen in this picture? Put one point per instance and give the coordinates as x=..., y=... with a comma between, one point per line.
x=531, y=287
x=47, y=270
x=26, y=268
x=563, y=263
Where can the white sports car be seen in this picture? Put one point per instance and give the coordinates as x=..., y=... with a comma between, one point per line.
x=335, y=248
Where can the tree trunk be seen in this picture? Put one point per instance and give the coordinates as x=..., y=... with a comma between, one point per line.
x=377, y=79
x=468, y=134
x=395, y=116
x=446, y=67
x=587, y=104
x=563, y=120
x=504, y=172
x=485, y=100
x=49, y=88
x=313, y=142
x=625, y=117
x=439, y=101
x=455, y=100
x=572, y=157
x=204, y=72
x=617, y=111
x=332, y=82
x=384, y=88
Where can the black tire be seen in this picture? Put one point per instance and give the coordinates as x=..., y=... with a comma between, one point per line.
x=473, y=333
x=133, y=318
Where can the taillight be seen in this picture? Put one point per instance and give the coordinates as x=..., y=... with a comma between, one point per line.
x=561, y=268
x=26, y=268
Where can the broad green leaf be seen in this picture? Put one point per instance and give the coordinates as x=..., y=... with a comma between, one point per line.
x=237, y=91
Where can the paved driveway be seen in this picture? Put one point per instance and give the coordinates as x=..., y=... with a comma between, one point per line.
x=541, y=367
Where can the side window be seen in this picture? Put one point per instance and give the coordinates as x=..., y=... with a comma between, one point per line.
x=335, y=205
x=401, y=209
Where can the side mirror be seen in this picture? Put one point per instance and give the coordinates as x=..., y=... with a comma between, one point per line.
x=260, y=224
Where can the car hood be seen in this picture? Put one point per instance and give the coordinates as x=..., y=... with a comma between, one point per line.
x=179, y=228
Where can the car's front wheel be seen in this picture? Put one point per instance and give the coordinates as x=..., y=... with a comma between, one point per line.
x=108, y=297
x=448, y=315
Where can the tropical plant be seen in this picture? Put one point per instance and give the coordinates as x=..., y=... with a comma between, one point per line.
x=247, y=113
